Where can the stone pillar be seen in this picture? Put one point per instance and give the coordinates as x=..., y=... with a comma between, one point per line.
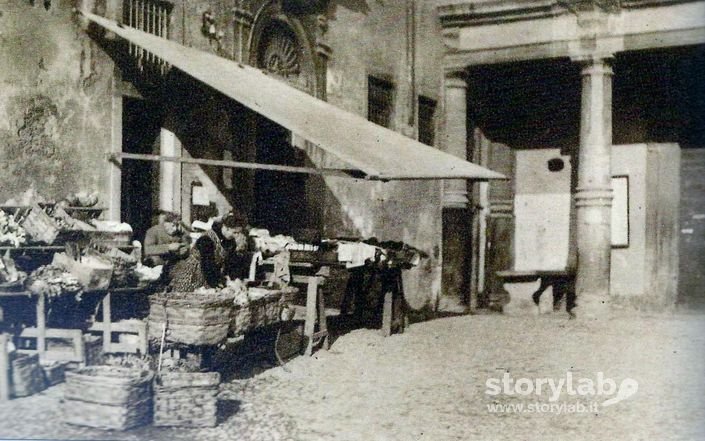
x=593, y=197
x=455, y=191
x=457, y=217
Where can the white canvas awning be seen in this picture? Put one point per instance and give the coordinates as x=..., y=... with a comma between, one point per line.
x=377, y=152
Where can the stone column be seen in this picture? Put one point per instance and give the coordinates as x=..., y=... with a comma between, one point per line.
x=593, y=197
x=457, y=217
x=455, y=191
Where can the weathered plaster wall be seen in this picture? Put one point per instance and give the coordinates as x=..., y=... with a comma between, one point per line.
x=55, y=98
x=643, y=274
x=371, y=41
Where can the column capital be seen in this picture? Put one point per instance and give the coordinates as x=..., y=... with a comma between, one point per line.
x=455, y=197
x=593, y=58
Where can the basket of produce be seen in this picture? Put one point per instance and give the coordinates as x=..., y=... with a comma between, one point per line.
x=39, y=226
x=92, y=272
x=194, y=318
x=52, y=281
x=108, y=397
x=186, y=399
x=27, y=375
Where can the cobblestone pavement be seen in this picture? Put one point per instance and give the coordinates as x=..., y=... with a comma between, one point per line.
x=430, y=384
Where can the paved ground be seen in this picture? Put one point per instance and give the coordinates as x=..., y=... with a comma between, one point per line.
x=431, y=382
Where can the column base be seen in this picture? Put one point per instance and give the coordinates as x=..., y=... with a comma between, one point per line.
x=592, y=307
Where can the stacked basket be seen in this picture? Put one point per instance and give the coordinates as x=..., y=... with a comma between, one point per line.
x=186, y=399
x=108, y=397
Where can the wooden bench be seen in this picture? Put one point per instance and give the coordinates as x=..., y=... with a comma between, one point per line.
x=562, y=282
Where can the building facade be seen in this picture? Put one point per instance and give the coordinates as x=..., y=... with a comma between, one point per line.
x=550, y=82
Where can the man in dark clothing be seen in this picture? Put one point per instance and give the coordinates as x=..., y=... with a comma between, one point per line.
x=165, y=241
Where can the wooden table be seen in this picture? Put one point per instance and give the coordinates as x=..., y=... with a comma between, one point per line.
x=108, y=326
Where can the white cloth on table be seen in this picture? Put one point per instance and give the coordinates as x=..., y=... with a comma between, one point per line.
x=355, y=254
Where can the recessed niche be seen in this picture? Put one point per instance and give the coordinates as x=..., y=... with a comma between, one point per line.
x=555, y=164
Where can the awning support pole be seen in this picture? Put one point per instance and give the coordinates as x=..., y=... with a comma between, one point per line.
x=235, y=164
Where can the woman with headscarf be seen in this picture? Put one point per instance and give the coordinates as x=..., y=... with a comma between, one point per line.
x=219, y=252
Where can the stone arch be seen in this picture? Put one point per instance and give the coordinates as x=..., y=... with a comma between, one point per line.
x=275, y=31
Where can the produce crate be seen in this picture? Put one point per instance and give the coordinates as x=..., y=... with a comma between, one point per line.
x=40, y=226
x=186, y=399
x=190, y=318
x=108, y=397
x=27, y=375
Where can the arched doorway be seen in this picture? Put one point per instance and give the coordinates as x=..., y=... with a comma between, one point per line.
x=281, y=200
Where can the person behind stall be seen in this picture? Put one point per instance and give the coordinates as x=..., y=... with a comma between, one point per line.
x=165, y=242
x=218, y=253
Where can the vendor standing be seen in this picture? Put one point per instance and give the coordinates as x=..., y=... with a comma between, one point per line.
x=165, y=242
x=219, y=253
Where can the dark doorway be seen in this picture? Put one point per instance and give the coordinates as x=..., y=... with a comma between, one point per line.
x=280, y=198
x=141, y=124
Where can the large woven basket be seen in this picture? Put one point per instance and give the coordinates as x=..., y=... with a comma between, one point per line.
x=27, y=375
x=108, y=397
x=261, y=311
x=190, y=318
x=186, y=399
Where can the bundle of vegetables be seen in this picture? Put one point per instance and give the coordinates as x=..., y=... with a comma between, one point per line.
x=52, y=281
x=11, y=232
x=143, y=362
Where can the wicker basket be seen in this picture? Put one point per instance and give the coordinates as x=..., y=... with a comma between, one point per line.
x=108, y=397
x=186, y=399
x=190, y=318
x=27, y=375
x=262, y=311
